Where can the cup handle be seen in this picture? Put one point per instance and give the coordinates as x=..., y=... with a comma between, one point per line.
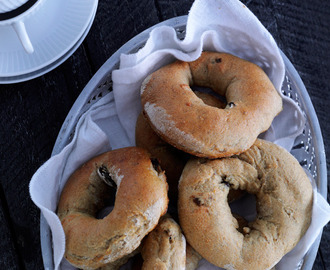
x=23, y=36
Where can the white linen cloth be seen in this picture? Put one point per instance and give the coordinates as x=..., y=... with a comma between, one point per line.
x=216, y=25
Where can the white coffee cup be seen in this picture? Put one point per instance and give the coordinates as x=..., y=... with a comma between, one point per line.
x=13, y=13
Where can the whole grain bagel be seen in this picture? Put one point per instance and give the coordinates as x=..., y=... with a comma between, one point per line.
x=141, y=199
x=192, y=258
x=171, y=159
x=166, y=248
x=283, y=203
x=183, y=120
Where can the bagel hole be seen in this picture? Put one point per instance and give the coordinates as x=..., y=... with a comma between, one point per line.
x=209, y=91
x=108, y=204
x=156, y=165
x=106, y=177
x=244, y=207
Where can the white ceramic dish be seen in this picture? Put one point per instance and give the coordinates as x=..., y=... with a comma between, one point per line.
x=56, y=31
x=9, y=5
x=312, y=160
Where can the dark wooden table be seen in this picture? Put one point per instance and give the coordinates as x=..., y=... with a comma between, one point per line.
x=32, y=112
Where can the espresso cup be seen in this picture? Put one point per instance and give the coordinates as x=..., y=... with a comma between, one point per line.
x=13, y=13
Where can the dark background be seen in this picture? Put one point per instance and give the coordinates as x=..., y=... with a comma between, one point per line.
x=32, y=112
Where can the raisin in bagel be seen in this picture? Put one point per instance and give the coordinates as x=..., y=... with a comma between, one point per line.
x=283, y=202
x=183, y=120
x=141, y=199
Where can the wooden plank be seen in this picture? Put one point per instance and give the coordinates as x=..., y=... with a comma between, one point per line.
x=114, y=25
x=32, y=115
x=23, y=156
x=169, y=9
x=8, y=258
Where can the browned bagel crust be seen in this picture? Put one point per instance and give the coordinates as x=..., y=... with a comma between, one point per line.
x=184, y=121
x=141, y=199
x=172, y=160
x=165, y=247
x=192, y=258
x=284, y=202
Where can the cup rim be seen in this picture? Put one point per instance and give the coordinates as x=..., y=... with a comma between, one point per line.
x=18, y=13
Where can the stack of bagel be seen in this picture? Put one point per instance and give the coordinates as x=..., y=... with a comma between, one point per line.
x=195, y=153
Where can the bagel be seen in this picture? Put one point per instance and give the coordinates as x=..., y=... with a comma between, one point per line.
x=141, y=199
x=284, y=199
x=192, y=258
x=183, y=120
x=171, y=159
x=166, y=248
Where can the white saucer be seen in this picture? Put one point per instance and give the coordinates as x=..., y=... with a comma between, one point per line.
x=56, y=31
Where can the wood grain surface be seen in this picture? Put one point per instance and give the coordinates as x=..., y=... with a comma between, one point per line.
x=32, y=112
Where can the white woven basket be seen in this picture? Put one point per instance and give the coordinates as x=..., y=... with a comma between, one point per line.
x=308, y=147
